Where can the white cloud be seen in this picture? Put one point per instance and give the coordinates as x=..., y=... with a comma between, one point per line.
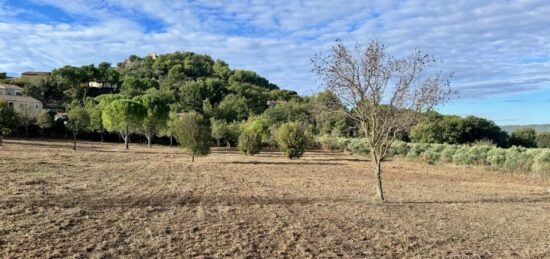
x=488, y=45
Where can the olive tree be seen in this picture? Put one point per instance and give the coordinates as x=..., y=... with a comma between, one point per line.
x=385, y=94
x=78, y=120
x=193, y=133
x=8, y=120
x=123, y=116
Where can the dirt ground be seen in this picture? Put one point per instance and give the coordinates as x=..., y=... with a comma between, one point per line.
x=102, y=201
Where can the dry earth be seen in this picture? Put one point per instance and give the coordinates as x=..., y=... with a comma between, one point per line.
x=102, y=201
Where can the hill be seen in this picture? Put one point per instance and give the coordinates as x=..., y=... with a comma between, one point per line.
x=538, y=127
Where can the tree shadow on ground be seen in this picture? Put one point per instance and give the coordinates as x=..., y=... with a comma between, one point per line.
x=544, y=198
x=95, y=148
x=279, y=163
x=161, y=200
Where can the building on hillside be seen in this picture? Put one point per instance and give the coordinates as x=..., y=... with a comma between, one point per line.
x=3, y=75
x=102, y=84
x=99, y=87
x=29, y=77
x=6, y=89
x=24, y=105
x=273, y=104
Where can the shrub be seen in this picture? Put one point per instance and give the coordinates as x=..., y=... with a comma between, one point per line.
x=417, y=149
x=541, y=164
x=329, y=142
x=447, y=153
x=291, y=139
x=463, y=156
x=518, y=160
x=358, y=146
x=343, y=143
x=478, y=154
x=400, y=148
x=250, y=142
x=496, y=157
x=433, y=154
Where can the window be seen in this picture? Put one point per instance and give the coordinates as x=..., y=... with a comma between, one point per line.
x=36, y=106
x=10, y=104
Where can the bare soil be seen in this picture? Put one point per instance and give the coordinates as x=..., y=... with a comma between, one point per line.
x=102, y=201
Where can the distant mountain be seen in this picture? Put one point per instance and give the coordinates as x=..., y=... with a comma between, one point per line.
x=539, y=128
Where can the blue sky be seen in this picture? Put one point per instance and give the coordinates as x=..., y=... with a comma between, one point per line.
x=499, y=51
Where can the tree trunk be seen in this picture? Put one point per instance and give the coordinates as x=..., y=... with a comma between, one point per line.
x=1, y=139
x=192, y=156
x=228, y=144
x=101, y=133
x=378, y=174
x=171, y=141
x=126, y=138
x=148, y=141
x=218, y=140
x=74, y=140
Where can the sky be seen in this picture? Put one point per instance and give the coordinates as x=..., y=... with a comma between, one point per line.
x=497, y=50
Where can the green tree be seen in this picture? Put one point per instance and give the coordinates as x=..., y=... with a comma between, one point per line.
x=291, y=139
x=543, y=140
x=123, y=116
x=524, y=137
x=78, y=120
x=156, y=116
x=250, y=141
x=44, y=121
x=8, y=120
x=233, y=108
x=193, y=133
x=220, y=130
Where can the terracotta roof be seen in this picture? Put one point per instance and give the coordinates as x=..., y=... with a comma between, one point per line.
x=6, y=86
x=19, y=98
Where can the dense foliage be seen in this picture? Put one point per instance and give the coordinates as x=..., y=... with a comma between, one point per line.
x=193, y=133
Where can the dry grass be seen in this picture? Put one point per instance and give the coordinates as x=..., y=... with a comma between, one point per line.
x=102, y=201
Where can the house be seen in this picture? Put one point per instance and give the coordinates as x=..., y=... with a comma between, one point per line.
x=102, y=84
x=24, y=105
x=6, y=89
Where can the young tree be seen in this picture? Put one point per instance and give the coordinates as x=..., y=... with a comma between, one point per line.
x=78, y=120
x=193, y=133
x=26, y=117
x=385, y=94
x=44, y=121
x=123, y=116
x=8, y=120
x=220, y=130
x=156, y=116
x=250, y=141
x=291, y=139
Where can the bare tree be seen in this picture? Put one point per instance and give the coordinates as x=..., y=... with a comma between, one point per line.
x=385, y=94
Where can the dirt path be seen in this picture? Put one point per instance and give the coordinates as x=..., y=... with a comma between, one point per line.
x=102, y=201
